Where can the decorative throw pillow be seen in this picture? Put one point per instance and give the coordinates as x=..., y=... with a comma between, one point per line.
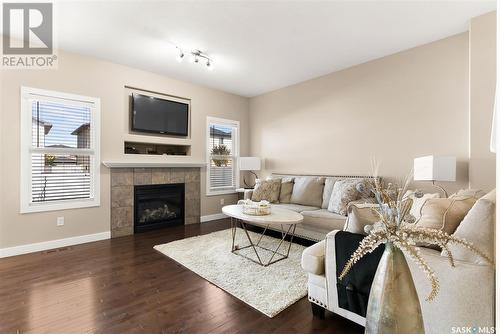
x=268, y=190
x=476, y=193
x=359, y=216
x=308, y=190
x=327, y=191
x=344, y=191
x=286, y=190
x=477, y=227
x=417, y=204
x=444, y=213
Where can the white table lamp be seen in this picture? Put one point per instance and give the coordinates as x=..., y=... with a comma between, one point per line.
x=434, y=168
x=250, y=164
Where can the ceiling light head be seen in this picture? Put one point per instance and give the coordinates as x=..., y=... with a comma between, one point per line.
x=210, y=66
x=180, y=56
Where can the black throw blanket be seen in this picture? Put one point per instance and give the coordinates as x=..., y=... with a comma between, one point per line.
x=354, y=289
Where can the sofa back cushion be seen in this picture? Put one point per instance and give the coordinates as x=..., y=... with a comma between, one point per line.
x=478, y=227
x=268, y=190
x=286, y=190
x=327, y=191
x=308, y=190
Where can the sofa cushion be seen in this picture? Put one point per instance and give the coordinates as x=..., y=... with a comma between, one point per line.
x=323, y=219
x=308, y=190
x=344, y=192
x=268, y=190
x=476, y=193
x=286, y=190
x=327, y=191
x=444, y=213
x=417, y=204
x=359, y=216
x=313, y=258
x=295, y=207
x=477, y=227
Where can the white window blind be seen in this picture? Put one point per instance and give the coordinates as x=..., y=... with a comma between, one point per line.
x=61, y=161
x=223, y=150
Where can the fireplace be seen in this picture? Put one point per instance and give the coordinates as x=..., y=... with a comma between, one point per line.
x=157, y=206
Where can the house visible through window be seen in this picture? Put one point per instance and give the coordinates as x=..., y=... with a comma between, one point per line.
x=223, y=152
x=61, y=161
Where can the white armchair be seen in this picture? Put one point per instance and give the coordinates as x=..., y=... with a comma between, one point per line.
x=466, y=295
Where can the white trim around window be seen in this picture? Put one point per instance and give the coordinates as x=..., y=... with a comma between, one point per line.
x=212, y=190
x=84, y=159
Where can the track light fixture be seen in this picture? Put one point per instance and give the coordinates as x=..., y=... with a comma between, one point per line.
x=196, y=55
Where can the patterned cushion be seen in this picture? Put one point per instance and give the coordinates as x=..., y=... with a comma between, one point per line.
x=344, y=192
x=268, y=190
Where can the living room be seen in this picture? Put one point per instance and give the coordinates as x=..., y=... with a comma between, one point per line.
x=193, y=166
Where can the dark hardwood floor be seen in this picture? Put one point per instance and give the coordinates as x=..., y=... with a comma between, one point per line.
x=124, y=286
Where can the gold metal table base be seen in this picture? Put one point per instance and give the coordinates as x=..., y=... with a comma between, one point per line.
x=279, y=256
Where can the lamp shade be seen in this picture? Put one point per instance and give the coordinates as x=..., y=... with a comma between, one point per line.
x=434, y=168
x=249, y=163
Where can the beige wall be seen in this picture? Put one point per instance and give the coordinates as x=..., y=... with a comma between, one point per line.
x=482, y=94
x=89, y=76
x=393, y=109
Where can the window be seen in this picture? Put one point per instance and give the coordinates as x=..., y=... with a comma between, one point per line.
x=59, y=150
x=222, y=156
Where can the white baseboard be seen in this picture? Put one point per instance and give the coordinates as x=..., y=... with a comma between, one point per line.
x=216, y=216
x=41, y=246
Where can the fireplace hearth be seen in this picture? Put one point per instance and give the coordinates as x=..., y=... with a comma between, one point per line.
x=158, y=206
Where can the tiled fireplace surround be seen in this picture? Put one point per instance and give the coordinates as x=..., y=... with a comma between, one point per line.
x=122, y=193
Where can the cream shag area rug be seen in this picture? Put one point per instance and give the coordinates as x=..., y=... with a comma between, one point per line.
x=268, y=289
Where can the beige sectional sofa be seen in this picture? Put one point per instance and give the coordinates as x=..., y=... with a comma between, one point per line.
x=310, y=196
x=466, y=297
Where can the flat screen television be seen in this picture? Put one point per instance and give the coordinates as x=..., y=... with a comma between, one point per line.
x=152, y=114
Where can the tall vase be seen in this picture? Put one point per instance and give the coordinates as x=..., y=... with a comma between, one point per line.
x=393, y=305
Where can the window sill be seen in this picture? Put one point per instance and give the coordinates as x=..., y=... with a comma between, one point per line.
x=44, y=207
x=221, y=192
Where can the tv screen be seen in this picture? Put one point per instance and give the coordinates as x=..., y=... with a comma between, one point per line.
x=151, y=114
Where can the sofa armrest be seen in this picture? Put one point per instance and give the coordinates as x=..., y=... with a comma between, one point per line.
x=313, y=258
x=247, y=193
x=463, y=288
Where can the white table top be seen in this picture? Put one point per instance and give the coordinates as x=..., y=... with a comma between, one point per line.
x=277, y=216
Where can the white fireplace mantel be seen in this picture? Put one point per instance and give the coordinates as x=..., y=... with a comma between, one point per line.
x=151, y=163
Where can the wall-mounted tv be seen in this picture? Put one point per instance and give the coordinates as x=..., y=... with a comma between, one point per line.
x=152, y=114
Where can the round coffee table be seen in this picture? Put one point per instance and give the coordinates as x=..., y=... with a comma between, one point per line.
x=281, y=218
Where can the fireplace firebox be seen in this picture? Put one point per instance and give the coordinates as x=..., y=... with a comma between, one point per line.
x=158, y=206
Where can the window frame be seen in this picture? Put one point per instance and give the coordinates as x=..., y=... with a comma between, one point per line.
x=29, y=94
x=235, y=155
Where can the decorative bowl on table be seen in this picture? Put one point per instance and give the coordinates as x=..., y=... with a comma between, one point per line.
x=261, y=208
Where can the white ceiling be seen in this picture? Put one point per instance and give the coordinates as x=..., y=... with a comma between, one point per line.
x=257, y=46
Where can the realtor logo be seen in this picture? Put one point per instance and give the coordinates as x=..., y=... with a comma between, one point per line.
x=28, y=35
